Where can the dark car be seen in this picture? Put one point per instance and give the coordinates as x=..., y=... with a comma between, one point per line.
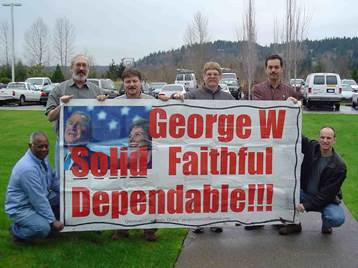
x=155, y=88
x=106, y=85
x=45, y=92
x=233, y=85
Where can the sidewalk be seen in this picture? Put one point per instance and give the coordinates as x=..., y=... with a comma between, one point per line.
x=236, y=247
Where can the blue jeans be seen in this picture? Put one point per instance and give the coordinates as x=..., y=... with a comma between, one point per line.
x=332, y=215
x=35, y=225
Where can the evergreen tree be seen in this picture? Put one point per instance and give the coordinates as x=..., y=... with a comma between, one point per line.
x=20, y=71
x=57, y=76
x=5, y=74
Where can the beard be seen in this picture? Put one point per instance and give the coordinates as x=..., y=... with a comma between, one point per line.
x=80, y=76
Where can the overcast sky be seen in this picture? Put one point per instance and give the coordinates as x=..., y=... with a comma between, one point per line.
x=115, y=29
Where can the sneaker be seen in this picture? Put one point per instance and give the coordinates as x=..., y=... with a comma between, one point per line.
x=150, y=236
x=198, y=230
x=326, y=230
x=120, y=234
x=253, y=227
x=216, y=229
x=290, y=229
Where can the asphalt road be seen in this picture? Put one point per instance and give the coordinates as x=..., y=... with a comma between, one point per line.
x=324, y=110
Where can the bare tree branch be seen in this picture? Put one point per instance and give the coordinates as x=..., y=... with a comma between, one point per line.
x=37, y=42
x=197, y=32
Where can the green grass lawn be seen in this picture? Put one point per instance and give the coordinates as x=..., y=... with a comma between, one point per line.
x=89, y=249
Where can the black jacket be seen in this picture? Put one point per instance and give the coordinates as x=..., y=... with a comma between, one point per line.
x=331, y=178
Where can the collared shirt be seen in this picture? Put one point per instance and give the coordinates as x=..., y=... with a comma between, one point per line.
x=69, y=87
x=30, y=188
x=141, y=96
x=265, y=91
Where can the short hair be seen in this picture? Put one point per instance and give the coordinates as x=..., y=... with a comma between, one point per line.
x=79, y=56
x=130, y=72
x=86, y=120
x=143, y=124
x=330, y=127
x=211, y=65
x=274, y=57
x=35, y=134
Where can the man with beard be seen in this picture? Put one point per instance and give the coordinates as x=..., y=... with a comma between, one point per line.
x=273, y=88
x=132, y=81
x=32, y=197
x=77, y=88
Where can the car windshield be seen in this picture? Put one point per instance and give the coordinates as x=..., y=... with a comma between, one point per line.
x=16, y=85
x=107, y=84
x=96, y=82
x=229, y=75
x=350, y=82
x=157, y=85
x=172, y=88
x=180, y=77
x=331, y=80
x=35, y=81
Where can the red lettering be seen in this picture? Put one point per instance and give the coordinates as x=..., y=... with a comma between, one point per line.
x=177, y=126
x=100, y=204
x=80, y=202
x=80, y=166
x=138, y=202
x=157, y=128
x=269, y=123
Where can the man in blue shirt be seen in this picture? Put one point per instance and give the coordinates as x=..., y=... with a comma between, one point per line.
x=32, y=197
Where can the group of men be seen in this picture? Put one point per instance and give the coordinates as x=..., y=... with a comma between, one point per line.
x=32, y=199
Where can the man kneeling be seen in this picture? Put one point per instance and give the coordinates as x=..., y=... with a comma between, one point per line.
x=32, y=198
x=322, y=174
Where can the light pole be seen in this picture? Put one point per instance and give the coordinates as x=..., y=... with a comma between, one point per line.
x=12, y=5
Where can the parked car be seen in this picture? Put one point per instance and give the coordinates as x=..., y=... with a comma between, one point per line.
x=39, y=82
x=146, y=88
x=106, y=85
x=45, y=92
x=323, y=89
x=186, y=78
x=355, y=100
x=170, y=89
x=298, y=84
x=24, y=92
x=347, y=92
x=6, y=96
x=233, y=86
x=2, y=85
x=352, y=83
x=156, y=87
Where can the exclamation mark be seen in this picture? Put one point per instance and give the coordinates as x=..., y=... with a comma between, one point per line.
x=269, y=193
x=252, y=190
x=260, y=197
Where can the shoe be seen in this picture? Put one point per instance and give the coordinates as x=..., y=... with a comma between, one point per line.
x=253, y=227
x=150, y=236
x=17, y=240
x=216, y=229
x=198, y=230
x=290, y=229
x=326, y=230
x=120, y=234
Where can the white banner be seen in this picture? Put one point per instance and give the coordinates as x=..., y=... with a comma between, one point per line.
x=178, y=164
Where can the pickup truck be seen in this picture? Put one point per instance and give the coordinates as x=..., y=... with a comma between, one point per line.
x=6, y=96
x=24, y=92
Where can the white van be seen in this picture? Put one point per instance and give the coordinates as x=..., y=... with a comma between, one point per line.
x=186, y=78
x=323, y=89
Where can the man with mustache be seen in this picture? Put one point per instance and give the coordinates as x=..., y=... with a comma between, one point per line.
x=74, y=88
x=32, y=197
x=273, y=88
x=132, y=81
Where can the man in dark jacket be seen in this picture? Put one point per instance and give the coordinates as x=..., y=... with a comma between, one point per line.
x=322, y=174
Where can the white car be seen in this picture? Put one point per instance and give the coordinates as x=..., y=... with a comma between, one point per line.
x=24, y=92
x=39, y=82
x=170, y=89
x=347, y=91
x=6, y=96
x=323, y=89
x=352, y=83
x=186, y=78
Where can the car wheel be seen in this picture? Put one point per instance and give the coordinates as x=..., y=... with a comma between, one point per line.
x=22, y=100
x=337, y=106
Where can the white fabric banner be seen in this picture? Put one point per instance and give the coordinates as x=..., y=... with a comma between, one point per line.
x=152, y=164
